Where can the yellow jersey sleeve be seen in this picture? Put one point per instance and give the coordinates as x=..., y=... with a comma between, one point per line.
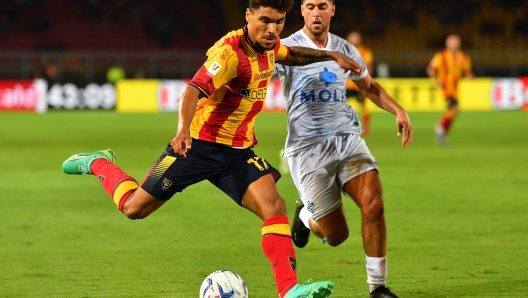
x=436, y=61
x=282, y=52
x=221, y=67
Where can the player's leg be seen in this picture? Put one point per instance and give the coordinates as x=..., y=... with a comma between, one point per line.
x=314, y=173
x=444, y=124
x=250, y=181
x=365, y=113
x=122, y=188
x=366, y=190
x=263, y=199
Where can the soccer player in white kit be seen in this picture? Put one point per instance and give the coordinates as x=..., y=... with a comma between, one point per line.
x=325, y=152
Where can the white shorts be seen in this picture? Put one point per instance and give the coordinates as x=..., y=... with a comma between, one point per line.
x=320, y=172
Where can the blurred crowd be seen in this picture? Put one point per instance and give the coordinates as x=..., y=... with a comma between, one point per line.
x=167, y=24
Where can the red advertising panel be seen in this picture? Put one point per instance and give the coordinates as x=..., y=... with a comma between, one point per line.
x=23, y=95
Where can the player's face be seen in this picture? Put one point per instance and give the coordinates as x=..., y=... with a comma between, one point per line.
x=264, y=26
x=453, y=43
x=317, y=15
x=354, y=38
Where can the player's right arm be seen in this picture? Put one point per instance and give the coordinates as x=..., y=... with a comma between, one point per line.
x=432, y=70
x=181, y=143
x=221, y=67
x=303, y=55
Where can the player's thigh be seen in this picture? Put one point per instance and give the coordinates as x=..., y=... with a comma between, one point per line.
x=334, y=226
x=250, y=181
x=356, y=161
x=313, y=171
x=262, y=198
x=172, y=173
x=366, y=190
x=140, y=204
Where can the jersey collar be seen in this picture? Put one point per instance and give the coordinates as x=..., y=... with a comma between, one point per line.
x=312, y=44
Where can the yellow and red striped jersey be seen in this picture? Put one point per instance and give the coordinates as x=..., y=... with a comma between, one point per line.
x=450, y=67
x=368, y=57
x=234, y=80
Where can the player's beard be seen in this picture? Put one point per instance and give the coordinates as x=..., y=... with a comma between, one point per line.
x=318, y=32
x=259, y=46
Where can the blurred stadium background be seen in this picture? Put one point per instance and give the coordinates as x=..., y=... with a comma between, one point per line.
x=168, y=39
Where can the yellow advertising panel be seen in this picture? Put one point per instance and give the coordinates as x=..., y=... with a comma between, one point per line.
x=424, y=95
x=475, y=94
x=134, y=96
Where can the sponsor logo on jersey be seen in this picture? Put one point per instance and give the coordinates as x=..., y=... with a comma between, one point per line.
x=263, y=75
x=323, y=95
x=166, y=184
x=214, y=68
x=327, y=77
x=258, y=94
x=224, y=54
x=271, y=58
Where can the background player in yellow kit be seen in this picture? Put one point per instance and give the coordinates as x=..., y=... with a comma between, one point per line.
x=446, y=68
x=356, y=40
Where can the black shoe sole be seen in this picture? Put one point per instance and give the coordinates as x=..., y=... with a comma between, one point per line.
x=300, y=233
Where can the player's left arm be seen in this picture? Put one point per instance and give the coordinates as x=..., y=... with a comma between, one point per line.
x=303, y=55
x=382, y=99
x=468, y=72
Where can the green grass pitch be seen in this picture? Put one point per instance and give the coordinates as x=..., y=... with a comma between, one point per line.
x=456, y=216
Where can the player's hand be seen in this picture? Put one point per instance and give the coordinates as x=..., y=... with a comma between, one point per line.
x=404, y=127
x=181, y=143
x=348, y=64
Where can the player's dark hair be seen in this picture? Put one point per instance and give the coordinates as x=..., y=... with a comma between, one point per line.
x=280, y=5
x=331, y=1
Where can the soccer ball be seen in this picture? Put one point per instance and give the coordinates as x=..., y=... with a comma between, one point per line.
x=223, y=284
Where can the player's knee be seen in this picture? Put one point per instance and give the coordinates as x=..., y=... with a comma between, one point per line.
x=373, y=209
x=134, y=213
x=335, y=239
x=273, y=207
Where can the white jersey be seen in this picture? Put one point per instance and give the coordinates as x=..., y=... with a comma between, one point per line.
x=316, y=103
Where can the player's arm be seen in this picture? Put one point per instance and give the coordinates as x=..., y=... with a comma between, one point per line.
x=302, y=56
x=219, y=68
x=432, y=71
x=468, y=72
x=382, y=99
x=181, y=143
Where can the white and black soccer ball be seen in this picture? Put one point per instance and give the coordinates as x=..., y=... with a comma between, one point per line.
x=223, y=284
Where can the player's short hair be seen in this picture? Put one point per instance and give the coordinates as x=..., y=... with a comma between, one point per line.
x=331, y=1
x=280, y=5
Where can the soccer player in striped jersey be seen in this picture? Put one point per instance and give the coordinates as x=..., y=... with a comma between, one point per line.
x=446, y=68
x=325, y=151
x=216, y=135
x=356, y=40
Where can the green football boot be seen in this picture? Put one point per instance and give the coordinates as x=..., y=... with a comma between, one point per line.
x=80, y=163
x=320, y=289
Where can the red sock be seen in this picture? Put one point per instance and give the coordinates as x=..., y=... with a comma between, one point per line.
x=277, y=246
x=366, y=123
x=115, y=182
x=446, y=121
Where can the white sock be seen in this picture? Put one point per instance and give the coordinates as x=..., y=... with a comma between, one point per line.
x=376, y=272
x=305, y=216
